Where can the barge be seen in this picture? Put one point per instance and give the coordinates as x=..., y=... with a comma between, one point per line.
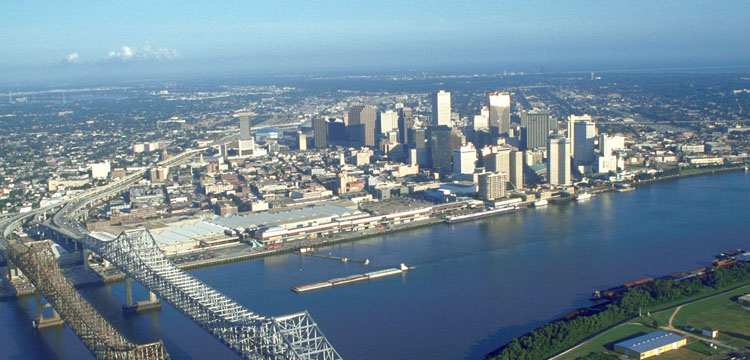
x=350, y=279
x=311, y=287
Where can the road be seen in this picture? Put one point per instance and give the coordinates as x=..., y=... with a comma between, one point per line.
x=62, y=218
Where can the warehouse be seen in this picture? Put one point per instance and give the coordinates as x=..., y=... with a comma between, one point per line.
x=651, y=344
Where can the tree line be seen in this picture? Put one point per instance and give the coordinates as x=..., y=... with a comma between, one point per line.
x=556, y=336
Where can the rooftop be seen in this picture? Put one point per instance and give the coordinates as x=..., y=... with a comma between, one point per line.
x=650, y=341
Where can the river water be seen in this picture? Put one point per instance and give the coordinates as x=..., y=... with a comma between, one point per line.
x=475, y=284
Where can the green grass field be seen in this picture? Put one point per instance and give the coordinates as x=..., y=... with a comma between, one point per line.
x=721, y=313
x=604, y=342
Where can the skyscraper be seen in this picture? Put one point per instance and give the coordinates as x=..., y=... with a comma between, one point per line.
x=584, y=136
x=361, y=127
x=388, y=121
x=516, y=169
x=499, y=161
x=538, y=125
x=464, y=159
x=404, y=124
x=499, y=113
x=440, y=147
x=492, y=185
x=441, y=108
x=571, y=130
x=320, y=131
x=558, y=160
x=245, y=128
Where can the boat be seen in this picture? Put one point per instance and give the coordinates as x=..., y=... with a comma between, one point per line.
x=582, y=196
x=626, y=189
x=457, y=218
x=540, y=203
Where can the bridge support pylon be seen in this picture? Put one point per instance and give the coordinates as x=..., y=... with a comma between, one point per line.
x=141, y=306
x=45, y=323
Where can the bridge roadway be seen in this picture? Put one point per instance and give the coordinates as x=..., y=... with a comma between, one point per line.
x=136, y=254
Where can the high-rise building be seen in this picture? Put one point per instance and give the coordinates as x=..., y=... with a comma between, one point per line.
x=538, y=125
x=608, y=144
x=492, y=185
x=440, y=147
x=441, y=108
x=480, y=123
x=499, y=161
x=416, y=138
x=464, y=159
x=245, y=128
x=361, y=127
x=388, y=121
x=404, y=124
x=558, y=160
x=584, y=135
x=571, y=130
x=516, y=169
x=499, y=115
x=320, y=132
x=301, y=141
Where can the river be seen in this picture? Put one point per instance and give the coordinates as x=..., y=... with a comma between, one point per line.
x=475, y=285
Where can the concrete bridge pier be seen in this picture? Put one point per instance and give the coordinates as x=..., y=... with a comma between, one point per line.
x=141, y=306
x=85, y=257
x=44, y=323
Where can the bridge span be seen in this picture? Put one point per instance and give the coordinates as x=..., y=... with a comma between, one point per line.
x=253, y=336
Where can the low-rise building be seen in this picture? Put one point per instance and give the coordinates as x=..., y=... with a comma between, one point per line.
x=651, y=344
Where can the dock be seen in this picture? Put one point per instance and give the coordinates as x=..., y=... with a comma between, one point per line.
x=350, y=279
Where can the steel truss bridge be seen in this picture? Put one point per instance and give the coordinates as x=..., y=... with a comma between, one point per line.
x=38, y=263
x=253, y=336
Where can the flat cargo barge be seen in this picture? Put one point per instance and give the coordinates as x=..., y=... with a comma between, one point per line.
x=350, y=279
x=311, y=287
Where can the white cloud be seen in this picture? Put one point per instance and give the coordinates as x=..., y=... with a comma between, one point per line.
x=72, y=57
x=147, y=52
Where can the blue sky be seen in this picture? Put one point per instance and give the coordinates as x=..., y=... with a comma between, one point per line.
x=299, y=36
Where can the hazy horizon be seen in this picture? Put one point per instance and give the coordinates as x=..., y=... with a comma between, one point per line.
x=90, y=41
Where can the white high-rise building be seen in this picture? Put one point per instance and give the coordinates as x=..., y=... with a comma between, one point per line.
x=499, y=114
x=464, y=159
x=608, y=144
x=571, y=129
x=441, y=108
x=584, y=136
x=481, y=123
x=492, y=185
x=558, y=160
x=100, y=170
x=516, y=169
x=388, y=121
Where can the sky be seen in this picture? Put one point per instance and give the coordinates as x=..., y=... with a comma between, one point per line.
x=61, y=39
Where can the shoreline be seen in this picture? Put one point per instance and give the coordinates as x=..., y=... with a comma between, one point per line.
x=342, y=237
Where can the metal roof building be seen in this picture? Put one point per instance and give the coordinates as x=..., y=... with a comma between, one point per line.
x=322, y=214
x=651, y=344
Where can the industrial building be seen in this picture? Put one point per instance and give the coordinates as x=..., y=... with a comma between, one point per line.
x=651, y=344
